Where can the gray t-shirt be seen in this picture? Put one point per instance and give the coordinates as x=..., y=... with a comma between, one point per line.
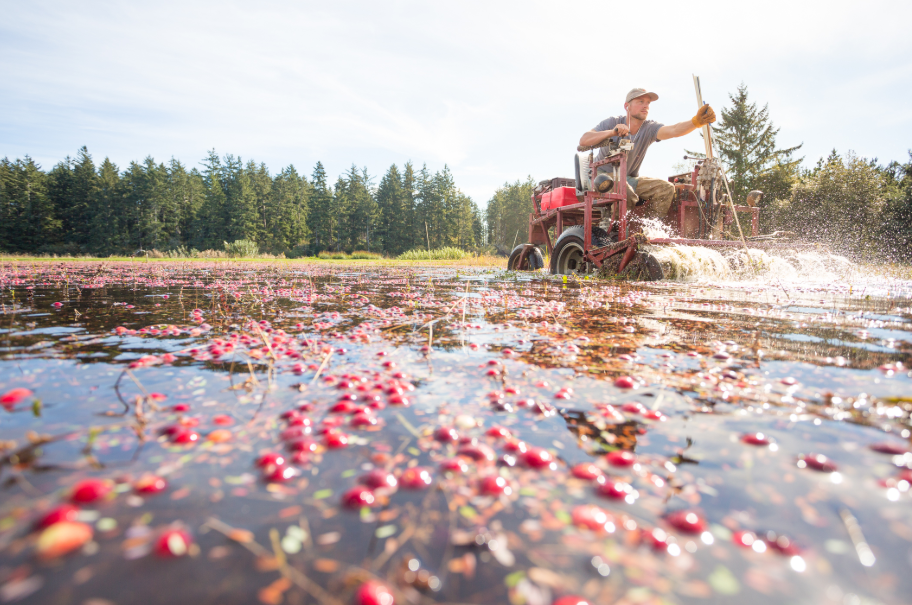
x=644, y=137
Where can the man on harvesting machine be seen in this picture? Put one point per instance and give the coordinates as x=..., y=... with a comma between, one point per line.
x=643, y=133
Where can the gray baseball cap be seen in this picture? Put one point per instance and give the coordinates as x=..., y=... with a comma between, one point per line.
x=640, y=92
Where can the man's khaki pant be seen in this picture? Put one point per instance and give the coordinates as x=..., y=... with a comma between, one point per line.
x=659, y=192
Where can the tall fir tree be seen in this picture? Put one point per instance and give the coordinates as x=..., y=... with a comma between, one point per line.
x=321, y=211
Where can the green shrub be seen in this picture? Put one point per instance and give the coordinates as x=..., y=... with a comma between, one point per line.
x=242, y=248
x=213, y=254
x=329, y=255
x=448, y=253
x=365, y=255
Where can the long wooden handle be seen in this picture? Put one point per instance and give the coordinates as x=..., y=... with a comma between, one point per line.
x=707, y=136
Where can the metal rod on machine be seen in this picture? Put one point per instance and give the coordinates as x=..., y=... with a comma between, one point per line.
x=707, y=140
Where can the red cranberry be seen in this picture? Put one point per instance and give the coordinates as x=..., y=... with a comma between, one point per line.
x=499, y=432
x=617, y=490
x=744, y=538
x=270, y=458
x=335, y=440
x=624, y=382
x=654, y=415
x=454, y=465
x=587, y=471
x=755, y=439
x=477, y=452
x=279, y=473
x=634, y=407
x=358, y=497
x=90, y=490
x=374, y=593
x=399, y=400
x=222, y=419
x=304, y=444
x=343, y=407
x=495, y=485
x=687, y=521
x=818, y=462
x=537, y=457
x=185, y=436
x=362, y=419
x=173, y=543
x=415, y=478
x=379, y=478
x=300, y=421
x=591, y=517
x=446, y=434
x=515, y=445
x=64, y=512
x=571, y=600
x=150, y=484
x=896, y=449
x=620, y=458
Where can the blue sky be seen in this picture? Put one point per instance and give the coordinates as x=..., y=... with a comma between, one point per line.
x=496, y=90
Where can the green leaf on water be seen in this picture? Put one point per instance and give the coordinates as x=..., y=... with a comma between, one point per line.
x=36, y=408
x=468, y=512
x=723, y=582
x=563, y=516
x=385, y=532
x=322, y=494
x=349, y=473
x=528, y=491
x=414, y=451
x=513, y=579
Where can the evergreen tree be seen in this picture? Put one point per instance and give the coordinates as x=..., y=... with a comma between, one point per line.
x=745, y=140
x=210, y=224
x=507, y=214
x=287, y=221
x=339, y=222
x=897, y=226
x=392, y=222
x=320, y=215
x=106, y=236
x=240, y=201
x=261, y=183
x=412, y=236
x=27, y=218
x=185, y=192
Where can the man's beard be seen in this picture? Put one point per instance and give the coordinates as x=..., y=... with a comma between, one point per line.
x=642, y=116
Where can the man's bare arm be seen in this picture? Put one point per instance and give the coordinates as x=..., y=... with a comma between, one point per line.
x=675, y=130
x=595, y=137
x=705, y=115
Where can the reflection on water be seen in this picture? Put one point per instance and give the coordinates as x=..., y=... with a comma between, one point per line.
x=634, y=443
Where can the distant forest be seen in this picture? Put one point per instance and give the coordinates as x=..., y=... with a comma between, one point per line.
x=80, y=208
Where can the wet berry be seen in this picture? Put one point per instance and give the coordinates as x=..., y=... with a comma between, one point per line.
x=537, y=457
x=270, y=458
x=279, y=473
x=374, y=593
x=90, y=490
x=587, y=471
x=379, y=478
x=358, y=497
x=185, y=436
x=687, y=521
x=592, y=517
x=620, y=458
x=335, y=440
x=617, y=490
x=624, y=382
x=571, y=600
x=416, y=477
x=478, y=452
x=173, y=543
x=64, y=512
x=61, y=538
x=150, y=484
x=499, y=432
x=817, y=462
x=755, y=439
x=454, y=465
x=494, y=485
x=884, y=447
x=446, y=434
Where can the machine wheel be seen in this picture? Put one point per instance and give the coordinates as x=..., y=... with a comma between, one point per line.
x=567, y=257
x=533, y=261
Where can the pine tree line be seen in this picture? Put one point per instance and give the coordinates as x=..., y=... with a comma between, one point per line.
x=78, y=208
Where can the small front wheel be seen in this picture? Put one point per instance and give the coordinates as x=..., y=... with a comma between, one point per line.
x=525, y=257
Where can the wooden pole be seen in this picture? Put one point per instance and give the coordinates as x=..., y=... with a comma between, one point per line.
x=707, y=136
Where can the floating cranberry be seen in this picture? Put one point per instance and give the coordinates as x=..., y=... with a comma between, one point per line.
x=222, y=419
x=537, y=457
x=150, y=484
x=654, y=415
x=782, y=544
x=181, y=407
x=634, y=407
x=562, y=394
x=515, y=445
x=454, y=465
x=90, y=490
x=446, y=434
x=571, y=600
x=620, y=458
x=61, y=538
x=14, y=396
x=755, y=439
x=335, y=440
x=587, y=471
x=591, y=517
x=379, y=478
x=886, y=447
x=399, y=400
x=499, y=432
x=744, y=538
x=479, y=452
x=624, y=382
x=362, y=419
x=64, y=512
x=279, y=473
x=220, y=436
x=343, y=407
x=495, y=485
x=173, y=543
x=817, y=462
x=295, y=432
x=348, y=397
x=416, y=477
x=300, y=421
x=185, y=436
x=374, y=593
x=617, y=490
x=270, y=458
x=687, y=521
x=358, y=497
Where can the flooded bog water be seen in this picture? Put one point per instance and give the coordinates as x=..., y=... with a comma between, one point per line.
x=244, y=433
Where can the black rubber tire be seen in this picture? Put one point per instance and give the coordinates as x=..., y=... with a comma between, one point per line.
x=565, y=259
x=533, y=261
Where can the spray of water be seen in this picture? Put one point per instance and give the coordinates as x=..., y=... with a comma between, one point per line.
x=702, y=264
